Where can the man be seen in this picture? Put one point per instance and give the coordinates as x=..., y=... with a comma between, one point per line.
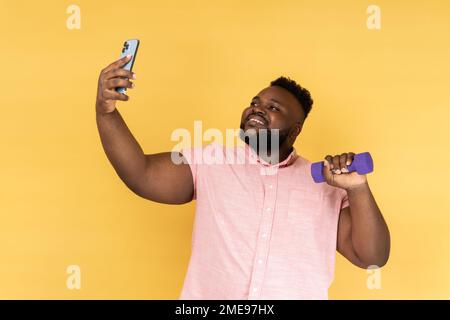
x=263, y=230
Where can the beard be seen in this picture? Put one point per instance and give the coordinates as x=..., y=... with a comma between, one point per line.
x=264, y=141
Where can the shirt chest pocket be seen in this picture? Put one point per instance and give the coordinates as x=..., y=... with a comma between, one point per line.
x=304, y=206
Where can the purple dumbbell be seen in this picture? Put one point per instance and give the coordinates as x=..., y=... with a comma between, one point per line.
x=362, y=163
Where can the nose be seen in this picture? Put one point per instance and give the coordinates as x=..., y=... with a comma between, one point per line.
x=258, y=109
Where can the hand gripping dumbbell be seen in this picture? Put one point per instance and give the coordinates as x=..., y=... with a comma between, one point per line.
x=362, y=163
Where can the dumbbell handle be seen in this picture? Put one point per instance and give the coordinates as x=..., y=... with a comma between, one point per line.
x=362, y=163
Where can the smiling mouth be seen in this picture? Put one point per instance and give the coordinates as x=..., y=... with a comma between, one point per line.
x=256, y=121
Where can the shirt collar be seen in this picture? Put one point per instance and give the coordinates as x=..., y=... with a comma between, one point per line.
x=250, y=153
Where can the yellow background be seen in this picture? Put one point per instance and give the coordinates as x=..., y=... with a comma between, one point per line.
x=61, y=202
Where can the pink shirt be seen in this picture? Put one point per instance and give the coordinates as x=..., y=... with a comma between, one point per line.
x=261, y=231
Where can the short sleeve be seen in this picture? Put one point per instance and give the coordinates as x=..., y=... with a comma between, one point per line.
x=344, y=201
x=189, y=155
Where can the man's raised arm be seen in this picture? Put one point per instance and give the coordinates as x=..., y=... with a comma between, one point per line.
x=154, y=176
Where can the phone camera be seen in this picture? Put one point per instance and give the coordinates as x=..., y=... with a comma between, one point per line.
x=125, y=46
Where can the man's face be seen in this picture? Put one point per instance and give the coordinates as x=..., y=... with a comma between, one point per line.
x=274, y=108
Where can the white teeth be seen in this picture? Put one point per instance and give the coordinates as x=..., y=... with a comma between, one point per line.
x=257, y=121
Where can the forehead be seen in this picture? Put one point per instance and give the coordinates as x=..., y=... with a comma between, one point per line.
x=281, y=95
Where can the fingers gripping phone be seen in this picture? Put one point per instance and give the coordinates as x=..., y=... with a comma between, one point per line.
x=129, y=47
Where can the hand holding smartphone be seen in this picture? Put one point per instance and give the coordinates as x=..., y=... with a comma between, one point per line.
x=130, y=47
x=115, y=78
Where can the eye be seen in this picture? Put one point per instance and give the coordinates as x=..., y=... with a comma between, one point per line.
x=253, y=103
x=274, y=108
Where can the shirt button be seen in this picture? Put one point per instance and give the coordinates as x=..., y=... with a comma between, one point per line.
x=264, y=235
x=270, y=186
x=260, y=261
x=268, y=209
x=255, y=289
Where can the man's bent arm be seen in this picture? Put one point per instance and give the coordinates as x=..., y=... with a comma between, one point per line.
x=363, y=236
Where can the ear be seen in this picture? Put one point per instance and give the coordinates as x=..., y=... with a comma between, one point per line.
x=298, y=126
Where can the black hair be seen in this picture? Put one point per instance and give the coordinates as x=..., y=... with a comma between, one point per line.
x=301, y=94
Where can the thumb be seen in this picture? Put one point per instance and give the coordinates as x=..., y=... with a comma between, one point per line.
x=327, y=171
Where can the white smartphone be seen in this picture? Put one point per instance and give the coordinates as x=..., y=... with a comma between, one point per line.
x=129, y=47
